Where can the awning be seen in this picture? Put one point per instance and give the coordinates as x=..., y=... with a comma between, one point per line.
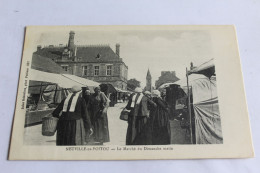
x=165, y=85
x=207, y=68
x=63, y=80
x=183, y=82
x=205, y=107
x=206, y=110
x=82, y=81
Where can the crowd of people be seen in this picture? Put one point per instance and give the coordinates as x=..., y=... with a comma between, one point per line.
x=83, y=118
x=148, y=120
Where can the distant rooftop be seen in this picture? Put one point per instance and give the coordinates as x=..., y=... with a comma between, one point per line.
x=45, y=64
x=87, y=53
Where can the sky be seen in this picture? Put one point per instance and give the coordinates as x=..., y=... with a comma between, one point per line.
x=156, y=50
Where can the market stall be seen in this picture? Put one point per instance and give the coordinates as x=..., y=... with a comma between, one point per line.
x=46, y=90
x=200, y=110
x=121, y=95
x=110, y=92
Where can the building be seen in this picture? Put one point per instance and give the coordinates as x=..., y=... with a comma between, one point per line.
x=166, y=77
x=47, y=65
x=148, y=81
x=95, y=62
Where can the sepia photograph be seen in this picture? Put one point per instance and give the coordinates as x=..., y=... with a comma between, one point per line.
x=113, y=90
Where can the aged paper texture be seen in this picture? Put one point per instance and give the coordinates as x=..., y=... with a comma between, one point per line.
x=130, y=93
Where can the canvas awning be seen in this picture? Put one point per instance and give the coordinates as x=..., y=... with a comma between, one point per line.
x=207, y=68
x=206, y=110
x=82, y=81
x=63, y=80
x=206, y=107
x=183, y=82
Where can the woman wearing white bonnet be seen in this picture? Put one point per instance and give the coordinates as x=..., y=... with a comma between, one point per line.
x=76, y=89
x=161, y=124
x=139, y=126
x=74, y=121
x=138, y=90
x=156, y=93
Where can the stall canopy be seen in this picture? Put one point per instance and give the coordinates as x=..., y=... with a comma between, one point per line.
x=183, y=82
x=206, y=107
x=207, y=68
x=63, y=80
x=82, y=81
x=206, y=110
x=205, y=104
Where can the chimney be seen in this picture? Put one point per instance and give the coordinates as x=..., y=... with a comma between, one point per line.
x=39, y=47
x=71, y=40
x=118, y=49
x=191, y=65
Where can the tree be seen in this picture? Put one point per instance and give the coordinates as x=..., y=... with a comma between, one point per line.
x=166, y=77
x=133, y=83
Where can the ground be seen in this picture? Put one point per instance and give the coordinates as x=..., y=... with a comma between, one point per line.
x=117, y=130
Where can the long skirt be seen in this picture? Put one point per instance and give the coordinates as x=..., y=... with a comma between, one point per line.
x=70, y=132
x=101, y=132
x=160, y=135
x=139, y=133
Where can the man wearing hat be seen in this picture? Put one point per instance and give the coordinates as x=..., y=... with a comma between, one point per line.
x=74, y=122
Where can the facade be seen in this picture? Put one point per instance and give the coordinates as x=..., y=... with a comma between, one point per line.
x=166, y=77
x=95, y=62
x=148, y=81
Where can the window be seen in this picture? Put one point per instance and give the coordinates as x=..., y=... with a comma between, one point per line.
x=109, y=70
x=98, y=56
x=96, y=70
x=65, y=67
x=84, y=70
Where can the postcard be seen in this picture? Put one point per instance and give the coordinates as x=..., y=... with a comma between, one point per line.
x=130, y=93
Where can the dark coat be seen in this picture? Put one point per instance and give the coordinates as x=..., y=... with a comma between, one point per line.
x=72, y=126
x=160, y=123
x=139, y=123
x=80, y=111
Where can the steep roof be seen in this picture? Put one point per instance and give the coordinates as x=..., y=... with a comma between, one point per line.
x=46, y=64
x=88, y=53
x=51, y=52
x=148, y=74
x=97, y=54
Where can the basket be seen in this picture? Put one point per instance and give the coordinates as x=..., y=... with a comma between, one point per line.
x=124, y=114
x=49, y=125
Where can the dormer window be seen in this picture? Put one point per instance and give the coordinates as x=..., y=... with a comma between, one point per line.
x=98, y=56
